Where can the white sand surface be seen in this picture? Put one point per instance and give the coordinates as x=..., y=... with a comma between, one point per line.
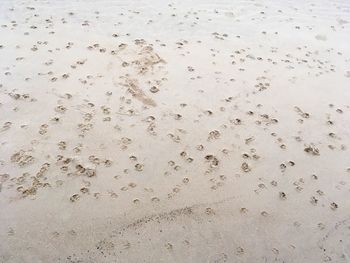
x=174, y=131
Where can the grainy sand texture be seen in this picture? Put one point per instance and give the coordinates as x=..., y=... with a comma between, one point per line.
x=174, y=131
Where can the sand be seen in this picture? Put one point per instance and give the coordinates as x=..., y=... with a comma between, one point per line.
x=182, y=131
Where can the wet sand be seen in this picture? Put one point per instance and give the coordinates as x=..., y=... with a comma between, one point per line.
x=183, y=131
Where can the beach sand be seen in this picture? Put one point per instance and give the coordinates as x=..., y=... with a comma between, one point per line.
x=182, y=131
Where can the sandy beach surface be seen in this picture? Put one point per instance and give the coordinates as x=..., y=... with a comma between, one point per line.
x=181, y=131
